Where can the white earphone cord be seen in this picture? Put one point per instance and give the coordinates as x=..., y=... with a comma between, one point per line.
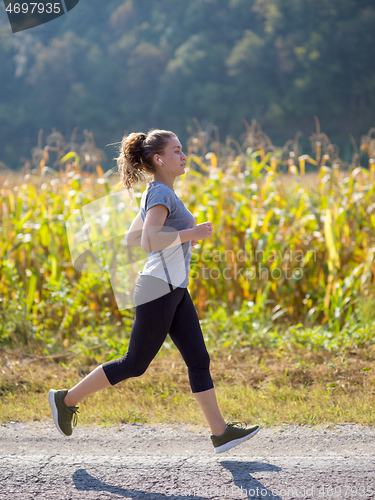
x=168, y=170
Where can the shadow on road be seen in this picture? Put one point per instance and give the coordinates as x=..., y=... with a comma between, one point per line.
x=85, y=482
x=244, y=484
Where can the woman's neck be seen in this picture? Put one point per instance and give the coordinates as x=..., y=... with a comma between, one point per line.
x=164, y=181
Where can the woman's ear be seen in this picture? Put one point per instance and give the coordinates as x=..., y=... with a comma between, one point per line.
x=156, y=159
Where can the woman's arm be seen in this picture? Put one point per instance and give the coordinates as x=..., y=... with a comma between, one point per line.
x=133, y=236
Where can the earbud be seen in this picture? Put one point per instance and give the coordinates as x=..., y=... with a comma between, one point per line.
x=167, y=169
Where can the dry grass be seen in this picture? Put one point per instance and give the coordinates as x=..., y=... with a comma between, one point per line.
x=266, y=387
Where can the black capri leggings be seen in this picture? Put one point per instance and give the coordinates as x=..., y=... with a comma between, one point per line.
x=172, y=313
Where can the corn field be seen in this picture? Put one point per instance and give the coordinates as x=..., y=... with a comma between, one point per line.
x=284, y=252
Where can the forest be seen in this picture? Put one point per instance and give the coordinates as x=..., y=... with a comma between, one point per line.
x=120, y=66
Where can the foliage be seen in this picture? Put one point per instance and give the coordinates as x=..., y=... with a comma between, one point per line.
x=126, y=64
x=292, y=264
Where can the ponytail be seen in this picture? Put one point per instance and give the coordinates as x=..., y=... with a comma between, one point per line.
x=135, y=160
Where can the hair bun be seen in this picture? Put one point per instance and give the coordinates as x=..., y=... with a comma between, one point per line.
x=142, y=137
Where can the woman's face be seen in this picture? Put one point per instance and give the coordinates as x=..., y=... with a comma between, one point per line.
x=173, y=157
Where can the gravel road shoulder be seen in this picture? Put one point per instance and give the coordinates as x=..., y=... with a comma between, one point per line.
x=136, y=439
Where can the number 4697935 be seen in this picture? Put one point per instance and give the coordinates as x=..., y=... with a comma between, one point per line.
x=32, y=7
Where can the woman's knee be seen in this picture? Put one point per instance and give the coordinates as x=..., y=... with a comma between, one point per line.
x=131, y=366
x=202, y=359
x=123, y=368
x=139, y=370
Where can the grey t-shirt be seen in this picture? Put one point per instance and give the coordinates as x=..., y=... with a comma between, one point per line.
x=171, y=264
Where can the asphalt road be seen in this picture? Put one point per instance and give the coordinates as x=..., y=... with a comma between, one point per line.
x=172, y=462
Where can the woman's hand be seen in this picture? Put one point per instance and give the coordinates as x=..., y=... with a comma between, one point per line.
x=202, y=231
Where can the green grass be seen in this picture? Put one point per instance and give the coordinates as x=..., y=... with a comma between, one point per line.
x=260, y=386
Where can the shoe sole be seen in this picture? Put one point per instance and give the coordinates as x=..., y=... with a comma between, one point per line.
x=235, y=442
x=52, y=403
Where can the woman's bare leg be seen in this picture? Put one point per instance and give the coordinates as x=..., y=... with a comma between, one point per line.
x=93, y=382
x=208, y=403
x=97, y=380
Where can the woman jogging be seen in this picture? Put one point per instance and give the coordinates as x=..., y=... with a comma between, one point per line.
x=165, y=229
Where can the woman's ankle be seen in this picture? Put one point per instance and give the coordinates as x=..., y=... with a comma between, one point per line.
x=67, y=401
x=218, y=431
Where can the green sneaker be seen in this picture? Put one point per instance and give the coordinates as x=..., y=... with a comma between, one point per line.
x=233, y=435
x=62, y=415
